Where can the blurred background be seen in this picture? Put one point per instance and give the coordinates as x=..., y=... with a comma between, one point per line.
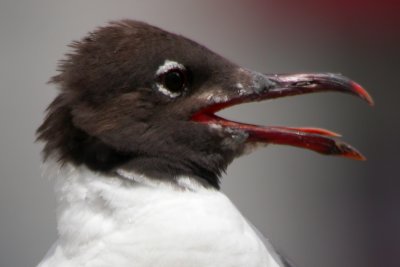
x=321, y=211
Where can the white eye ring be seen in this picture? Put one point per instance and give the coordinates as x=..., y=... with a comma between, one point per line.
x=162, y=70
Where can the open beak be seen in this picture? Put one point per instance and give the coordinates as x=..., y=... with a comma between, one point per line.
x=263, y=87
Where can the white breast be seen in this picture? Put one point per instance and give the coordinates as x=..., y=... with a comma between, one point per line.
x=111, y=221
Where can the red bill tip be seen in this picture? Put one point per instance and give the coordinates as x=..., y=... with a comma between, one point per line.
x=362, y=93
x=348, y=151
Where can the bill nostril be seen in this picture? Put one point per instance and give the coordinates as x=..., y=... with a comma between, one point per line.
x=304, y=83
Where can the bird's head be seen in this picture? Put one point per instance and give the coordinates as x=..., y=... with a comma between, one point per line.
x=140, y=99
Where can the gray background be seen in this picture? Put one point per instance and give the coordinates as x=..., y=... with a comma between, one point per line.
x=322, y=211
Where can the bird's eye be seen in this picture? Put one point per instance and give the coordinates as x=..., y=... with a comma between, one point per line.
x=174, y=80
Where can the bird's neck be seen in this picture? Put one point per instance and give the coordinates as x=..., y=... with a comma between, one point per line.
x=129, y=219
x=92, y=205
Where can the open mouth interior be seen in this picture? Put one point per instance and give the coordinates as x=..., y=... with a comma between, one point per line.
x=315, y=139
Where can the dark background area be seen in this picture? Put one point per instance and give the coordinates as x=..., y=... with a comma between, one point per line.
x=322, y=211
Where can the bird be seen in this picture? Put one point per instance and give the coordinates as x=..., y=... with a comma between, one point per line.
x=136, y=150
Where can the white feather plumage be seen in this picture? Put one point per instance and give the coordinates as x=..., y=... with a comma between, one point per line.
x=133, y=221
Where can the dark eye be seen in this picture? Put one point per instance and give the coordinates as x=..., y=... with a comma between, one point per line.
x=174, y=80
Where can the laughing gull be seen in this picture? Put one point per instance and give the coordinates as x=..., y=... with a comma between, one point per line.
x=136, y=150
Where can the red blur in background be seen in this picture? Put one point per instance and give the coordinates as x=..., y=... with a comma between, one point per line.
x=366, y=20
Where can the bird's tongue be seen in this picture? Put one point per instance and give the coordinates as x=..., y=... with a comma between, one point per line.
x=275, y=86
